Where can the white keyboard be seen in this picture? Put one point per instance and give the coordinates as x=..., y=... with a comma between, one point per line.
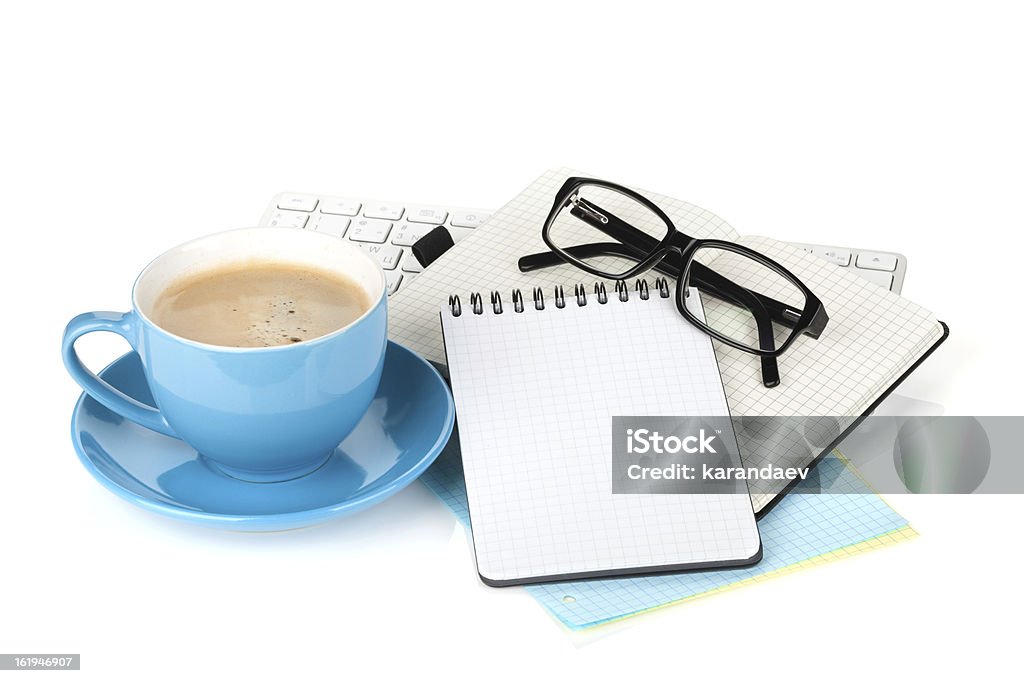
x=387, y=230
x=885, y=268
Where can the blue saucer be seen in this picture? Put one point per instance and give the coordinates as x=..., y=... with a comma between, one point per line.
x=406, y=427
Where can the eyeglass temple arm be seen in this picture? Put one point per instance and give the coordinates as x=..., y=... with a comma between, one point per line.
x=548, y=259
x=746, y=299
x=704, y=279
x=765, y=333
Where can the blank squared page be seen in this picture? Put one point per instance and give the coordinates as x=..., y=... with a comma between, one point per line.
x=535, y=393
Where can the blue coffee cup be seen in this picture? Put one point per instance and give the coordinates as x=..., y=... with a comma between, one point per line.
x=259, y=414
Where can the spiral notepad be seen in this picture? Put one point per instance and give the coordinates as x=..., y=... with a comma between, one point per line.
x=537, y=379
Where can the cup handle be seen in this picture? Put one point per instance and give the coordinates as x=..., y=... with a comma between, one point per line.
x=126, y=325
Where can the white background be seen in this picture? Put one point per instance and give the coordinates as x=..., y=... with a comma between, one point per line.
x=126, y=130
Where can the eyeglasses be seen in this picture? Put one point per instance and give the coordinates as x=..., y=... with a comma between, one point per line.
x=768, y=307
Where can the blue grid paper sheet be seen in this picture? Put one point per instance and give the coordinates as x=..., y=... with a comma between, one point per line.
x=800, y=528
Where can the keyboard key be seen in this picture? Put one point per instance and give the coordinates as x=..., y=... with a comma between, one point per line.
x=411, y=265
x=297, y=202
x=340, y=207
x=460, y=233
x=391, y=212
x=394, y=280
x=869, y=259
x=881, y=279
x=407, y=233
x=369, y=230
x=468, y=219
x=387, y=255
x=288, y=219
x=427, y=214
x=333, y=225
x=840, y=257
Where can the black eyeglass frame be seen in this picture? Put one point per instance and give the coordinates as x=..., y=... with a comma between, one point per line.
x=811, y=320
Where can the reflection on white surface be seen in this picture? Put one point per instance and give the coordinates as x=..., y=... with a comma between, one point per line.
x=873, y=439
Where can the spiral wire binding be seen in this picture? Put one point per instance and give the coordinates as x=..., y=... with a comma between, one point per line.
x=517, y=301
x=581, y=295
x=476, y=300
x=622, y=289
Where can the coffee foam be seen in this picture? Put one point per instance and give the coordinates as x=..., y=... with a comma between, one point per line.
x=259, y=304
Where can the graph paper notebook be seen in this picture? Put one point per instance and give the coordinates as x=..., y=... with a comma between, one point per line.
x=873, y=340
x=535, y=392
